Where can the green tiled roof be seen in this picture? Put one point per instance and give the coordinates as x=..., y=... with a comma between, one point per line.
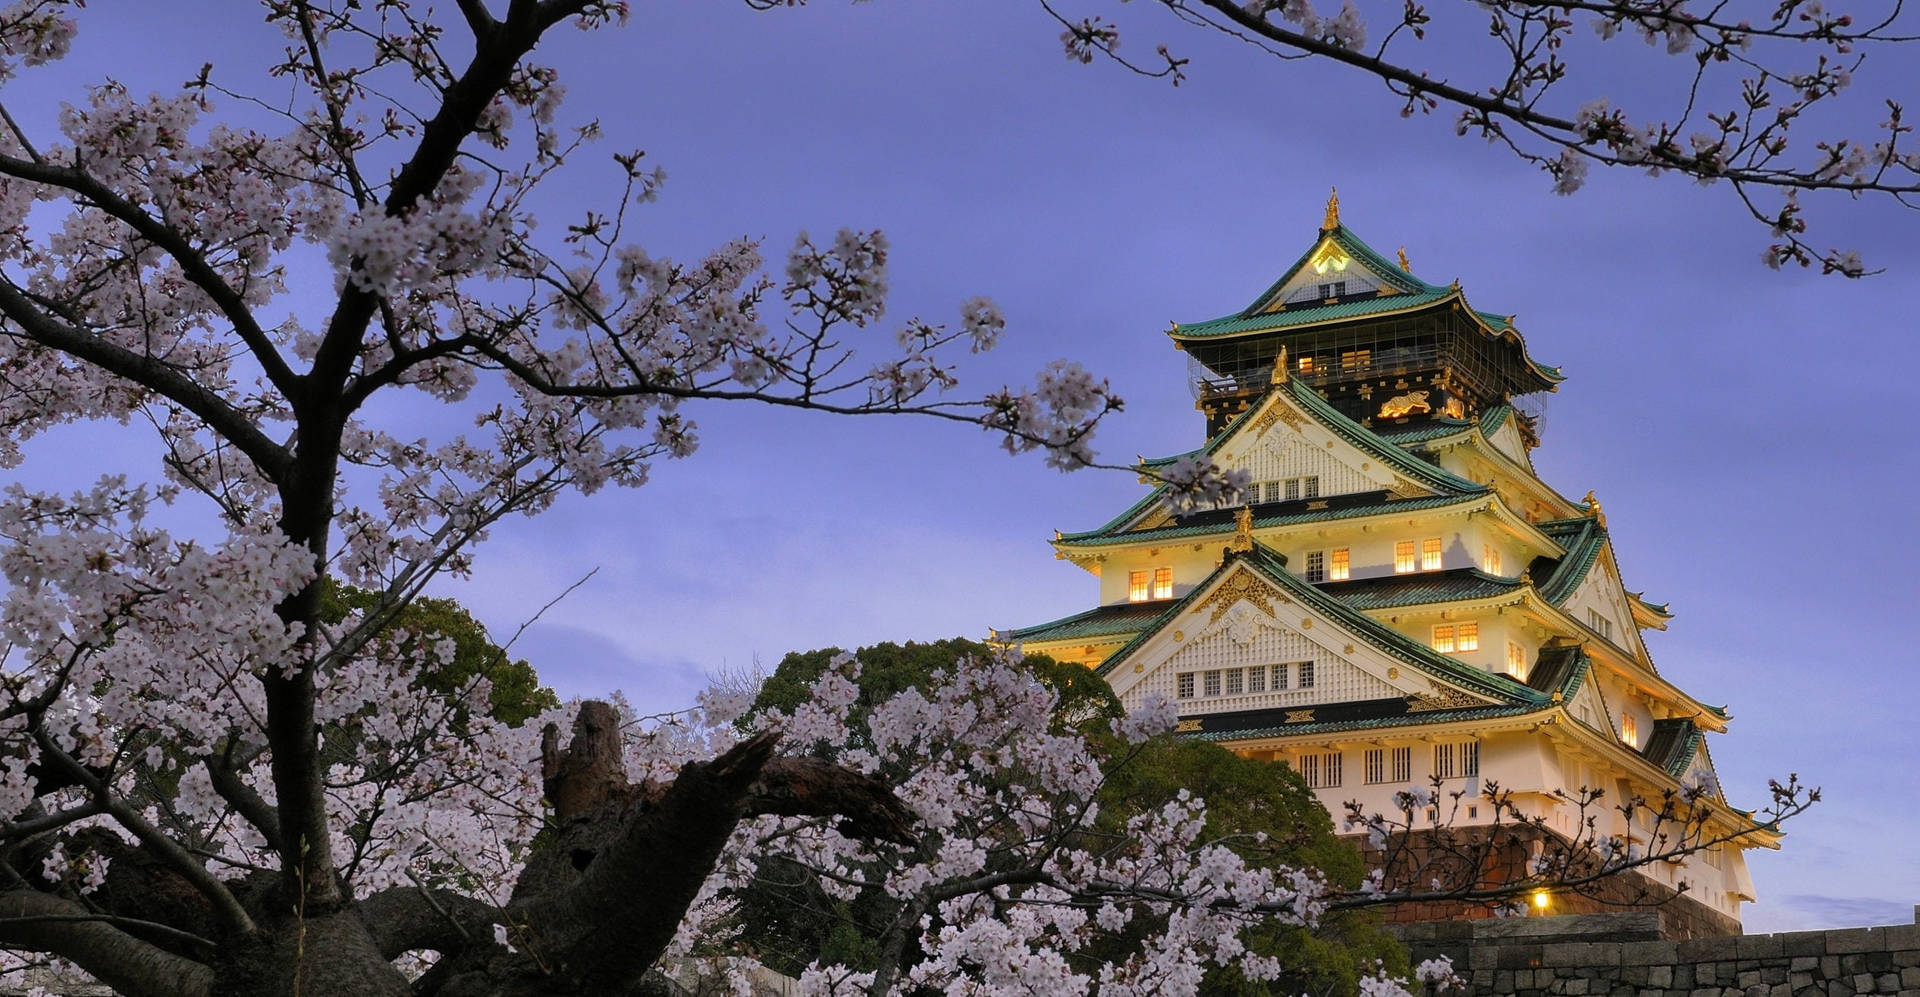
x=1220, y=521
x=1366, y=440
x=1385, y=269
x=1272, y=566
x=1672, y=744
x=1232, y=727
x=1413, y=433
x=1101, y=621
x=1582, y=538
x=1387, y=592
x=1350, y=309
x=1491, y=419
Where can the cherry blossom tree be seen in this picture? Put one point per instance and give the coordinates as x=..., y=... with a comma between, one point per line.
x=211, y=782
x=1749, y=84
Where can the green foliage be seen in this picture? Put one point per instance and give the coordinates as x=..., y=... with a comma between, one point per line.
x=1085, y=701
x=1264, y=811
x=517, y=694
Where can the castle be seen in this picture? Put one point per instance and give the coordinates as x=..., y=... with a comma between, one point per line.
x=1399, y=597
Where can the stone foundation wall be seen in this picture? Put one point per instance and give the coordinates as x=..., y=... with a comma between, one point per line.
x=1621, y=955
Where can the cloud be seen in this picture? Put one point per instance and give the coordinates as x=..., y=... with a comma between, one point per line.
x=576, y=661
x=1805, y=911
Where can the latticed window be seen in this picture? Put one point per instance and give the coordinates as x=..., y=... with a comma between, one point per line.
x=1210, y=683
x=1340, y=566
x=1459, y=760
x=1430, y=554
x=1443, y=638
x=1280, y=676
x=1183, y=682
x=1389, y=765
x=1402, y=765
x=1630, y=731
x=1600, y=624
x=1163, y=583
x=1356, y=359
x=1306, y=674
x=1376, y=766
x=1137, y=586
x=1310, y=486
x=1236, y=682
x=1293, y=489
x=1322, y=771
x=1316, y=565
x=1403, y=557
x=1490, y=559
x=1270, y=491
x=1257, y=679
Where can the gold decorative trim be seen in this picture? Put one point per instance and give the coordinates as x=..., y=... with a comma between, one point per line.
x=1452, y=699
x=1241, y=586
x=1299, y=717
x=1242, y=530
x=1187, y=726
x=1332, y=220
x=1279, y=412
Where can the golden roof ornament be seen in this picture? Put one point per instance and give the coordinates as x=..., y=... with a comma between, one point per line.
x=1242, y=531
x=1405, y=265
x=1593, y=509
x=1280, y=367
x=1332, y=220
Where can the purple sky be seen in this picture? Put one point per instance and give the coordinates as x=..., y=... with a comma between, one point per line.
x=1744, y=429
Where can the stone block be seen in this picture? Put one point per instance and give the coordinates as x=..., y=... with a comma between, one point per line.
x=1887, y=983
x=1799, y=981
x=1862, y=983
x=1708, y=949
x=1901, y=936
x=1746, y=978
x=1682, y=978
x=1910, y=978
x=1516, y=957
x=1649, y=953
x=1878, y=962
x=1660, y=976
x=1845, y=940
x=1796, y=943
x=1852, y=962
x=1503, y=981
x=1839, y=988
x=1803, y=963
x=1830, y=966
x=1575, y=987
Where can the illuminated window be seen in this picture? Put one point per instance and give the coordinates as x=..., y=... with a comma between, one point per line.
x=1321, y=771
x=1163, y=583
x=1306, y=674
x=1356, y=360
x=1257, y=679
x=1403, y=557
x=1306, y=365
x=1451, y=637
x=1490, y=559
x=1516, y=661
x=1341, y=567
x=1210, y=683
x=1137, y=586
x=1630, y=731
x=1184, y=685
x=1316, y=565
x=1456, y=761
x=1236, y=682
x=1430, y=554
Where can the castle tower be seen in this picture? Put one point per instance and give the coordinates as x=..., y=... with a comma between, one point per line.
x=1400, y=596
